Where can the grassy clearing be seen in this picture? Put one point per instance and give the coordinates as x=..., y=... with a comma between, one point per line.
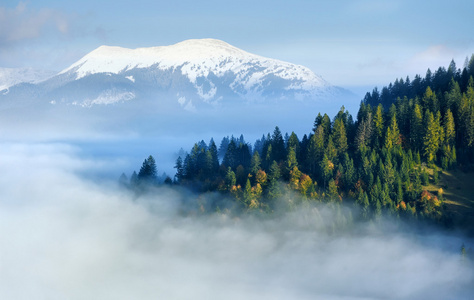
x=458, y=192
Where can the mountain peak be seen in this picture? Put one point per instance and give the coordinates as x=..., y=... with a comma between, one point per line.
x=209, y=69
x=114, y=59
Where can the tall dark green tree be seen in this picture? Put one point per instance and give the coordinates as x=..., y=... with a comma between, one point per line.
x=278, y=145
x=214, y=156
x=148, y=171
x=179, y=169
x=339, y=137
x=431, y=138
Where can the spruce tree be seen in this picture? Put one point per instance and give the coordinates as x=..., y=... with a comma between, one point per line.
x=148, y=171
x=431, y=138
x=255, y=163
x=339, y=137
x=179, y=169
x=278, y=145
x=378, y=126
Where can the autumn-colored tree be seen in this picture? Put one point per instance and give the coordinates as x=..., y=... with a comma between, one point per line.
x=305, y=185
x=261, y=177
x=294, y=178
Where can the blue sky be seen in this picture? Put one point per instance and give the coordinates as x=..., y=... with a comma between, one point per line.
x=349, y=43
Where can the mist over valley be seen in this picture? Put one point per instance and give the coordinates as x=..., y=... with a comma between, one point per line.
x=163, y=165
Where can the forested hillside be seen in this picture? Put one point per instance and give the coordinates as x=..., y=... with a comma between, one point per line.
x=402, y=140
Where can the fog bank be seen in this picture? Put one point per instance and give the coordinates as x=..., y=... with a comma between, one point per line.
x=66, y=236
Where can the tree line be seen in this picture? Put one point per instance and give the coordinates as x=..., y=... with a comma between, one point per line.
x=401, y=139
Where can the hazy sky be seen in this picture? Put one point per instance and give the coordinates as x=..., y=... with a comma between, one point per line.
x=364, y=42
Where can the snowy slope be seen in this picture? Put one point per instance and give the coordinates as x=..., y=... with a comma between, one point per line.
x=188, y=75
x=197, y=59
x=11, y=76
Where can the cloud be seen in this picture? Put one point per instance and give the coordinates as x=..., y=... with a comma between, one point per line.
x=436, y=55
x=23, y=24
x=44, y=38
x=63, y=236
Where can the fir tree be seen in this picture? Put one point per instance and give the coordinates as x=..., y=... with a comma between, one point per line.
x=255, y=163
x=339, y=137
x=179, y=169
x=278, y=145
x=431, y=138
x=148, y=171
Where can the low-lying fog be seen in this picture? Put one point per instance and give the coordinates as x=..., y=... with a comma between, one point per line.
x=66, y=235
x=130, y=132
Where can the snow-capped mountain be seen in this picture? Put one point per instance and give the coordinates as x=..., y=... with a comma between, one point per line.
x=189, y=74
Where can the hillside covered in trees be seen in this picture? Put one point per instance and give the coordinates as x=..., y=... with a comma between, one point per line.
x=402, y=140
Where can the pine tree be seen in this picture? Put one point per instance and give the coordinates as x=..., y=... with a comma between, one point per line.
x=339, y=137
x=449, y=128
x=453, y=96
x=275, y=172
x=230, y=157
x=349, y=174
x=395, y=131
x=274, y=190
x=294, y=143
x=326, y=167
x=290, y=162
x=123, y=180
x=134, y=179
x=315, y=150
x=378, y=126
x=430, y=100
x=255, y=164
x=364, y=132
x=330, y=150
x=431, y=138
x=223, y=147
x=294, y=178
x=278, y=145
x=230, y=179
x=247, y=196
x=363, y=202
x=388, y=139
x=148, y=171
x=416, y=128
x=268, y=156
x=332, y=193
x=214, y=156
x=398, y=191
x=325, y=123
x=179, y=169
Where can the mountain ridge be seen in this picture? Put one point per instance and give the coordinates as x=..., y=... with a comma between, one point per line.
x=192, y=73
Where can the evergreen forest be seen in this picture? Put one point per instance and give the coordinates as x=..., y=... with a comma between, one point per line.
x=388, y=160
